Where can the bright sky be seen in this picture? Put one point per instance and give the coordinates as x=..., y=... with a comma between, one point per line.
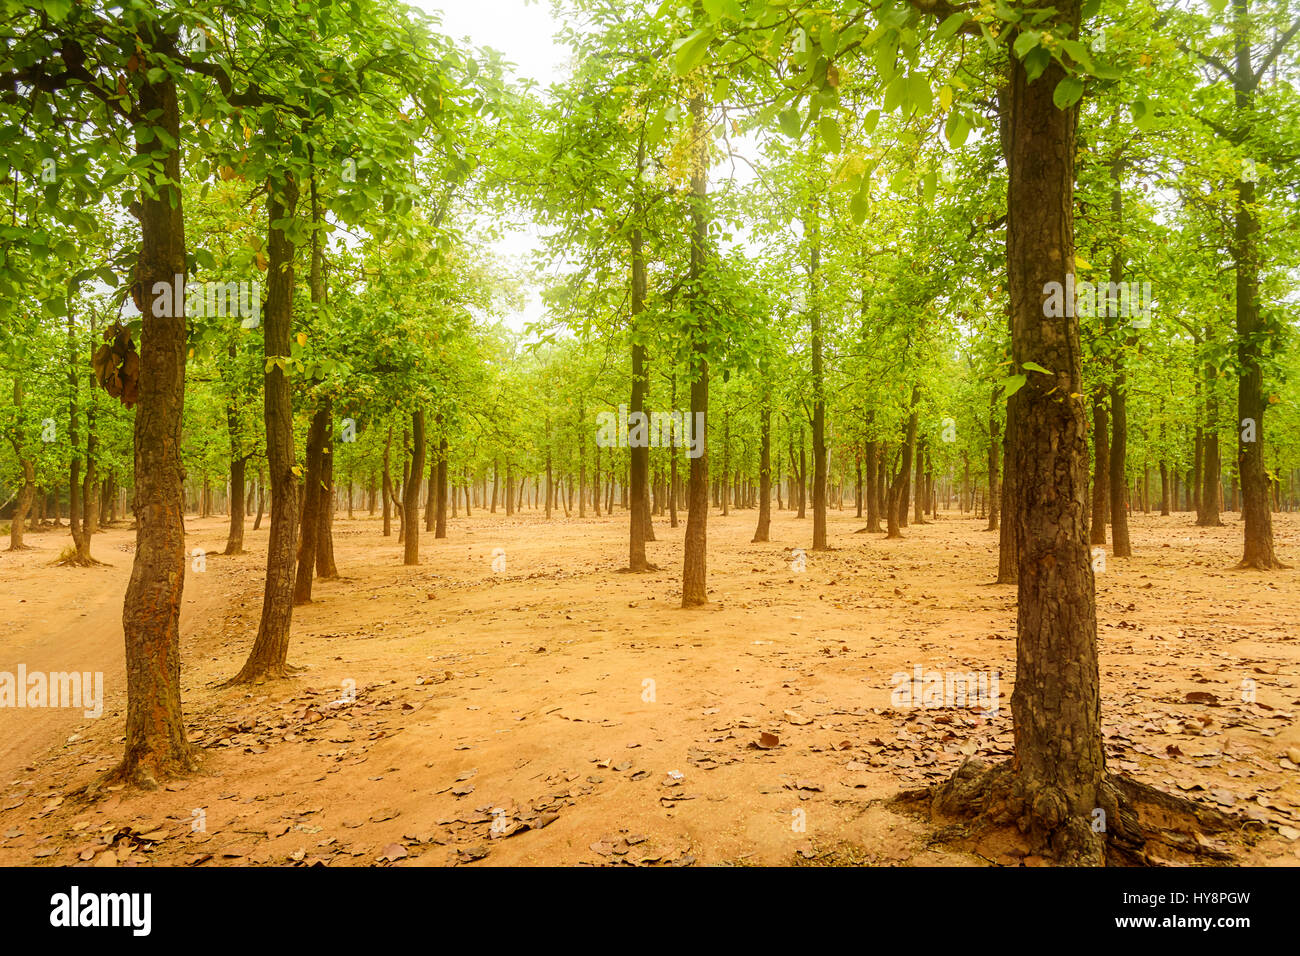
x=523, y=31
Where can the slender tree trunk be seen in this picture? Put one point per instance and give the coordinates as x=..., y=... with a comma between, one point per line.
x=316, y=438
x=325, y=567
x=269, y=656
x=440, y=525
x=411, y=504
x=764, y=471
x=995, y=470
x=812, y=230
x=695, y=563
x=872, y=489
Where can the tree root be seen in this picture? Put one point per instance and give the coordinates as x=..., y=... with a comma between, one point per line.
x=258, y=673
x=1259, y=565
x=146, y=773
x=1133, y=824
x=75, y=560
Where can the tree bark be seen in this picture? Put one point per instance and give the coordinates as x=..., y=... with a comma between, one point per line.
x=269, y=656
x=695, y=560
x=156, y=747
x=411, y=504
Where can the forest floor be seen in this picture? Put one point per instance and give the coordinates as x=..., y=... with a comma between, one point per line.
x=559, y=711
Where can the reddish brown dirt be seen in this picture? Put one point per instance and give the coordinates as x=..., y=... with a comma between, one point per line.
x=556, y=701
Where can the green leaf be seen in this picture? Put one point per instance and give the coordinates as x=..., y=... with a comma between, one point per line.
x=789, y=121
x=1037, y=62
x=951, y=24
x=57, y=9
x=1034, y=367
x=858, y=207
x=895, y=92
x=692, y=51
x=1067, y=92
x=918, y=91
x=1026, y=42
x=957, y=129
x=1012, y=384
x=830, y=130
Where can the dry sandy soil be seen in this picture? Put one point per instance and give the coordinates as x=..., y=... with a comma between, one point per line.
x=558, y=711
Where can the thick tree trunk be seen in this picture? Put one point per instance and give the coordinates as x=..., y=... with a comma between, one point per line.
x=1252, y=334
x=1058, y=775
x=156, y=747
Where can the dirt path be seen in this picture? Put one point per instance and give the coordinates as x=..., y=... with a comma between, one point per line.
x=60, y=619
x=555, y=710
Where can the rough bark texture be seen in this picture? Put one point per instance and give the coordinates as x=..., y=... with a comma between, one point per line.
x=1056, y=777
x=1101, y=467
x=411, y=506
x=813, y=231
x=995, y=467
x=310, y=524
x=1251, y=401
x=763, y=530
x=695, y=561
x=325, y=567
x=269, y=656
x=156, y=747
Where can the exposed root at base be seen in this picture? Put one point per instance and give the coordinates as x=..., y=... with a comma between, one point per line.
x=260, y=673
x=76, y=561
x=1133, y=825
x=1274, y=565
x=142, y=774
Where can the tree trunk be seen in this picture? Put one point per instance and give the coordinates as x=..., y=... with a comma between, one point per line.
x=440, y=499
x=316, y=438
x=995, y=469
x=156, y=747
x=1058, y=774
x=411, y=503
x=325, y=567
x=695, y=561
x=269, y=656
x=764, y=471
